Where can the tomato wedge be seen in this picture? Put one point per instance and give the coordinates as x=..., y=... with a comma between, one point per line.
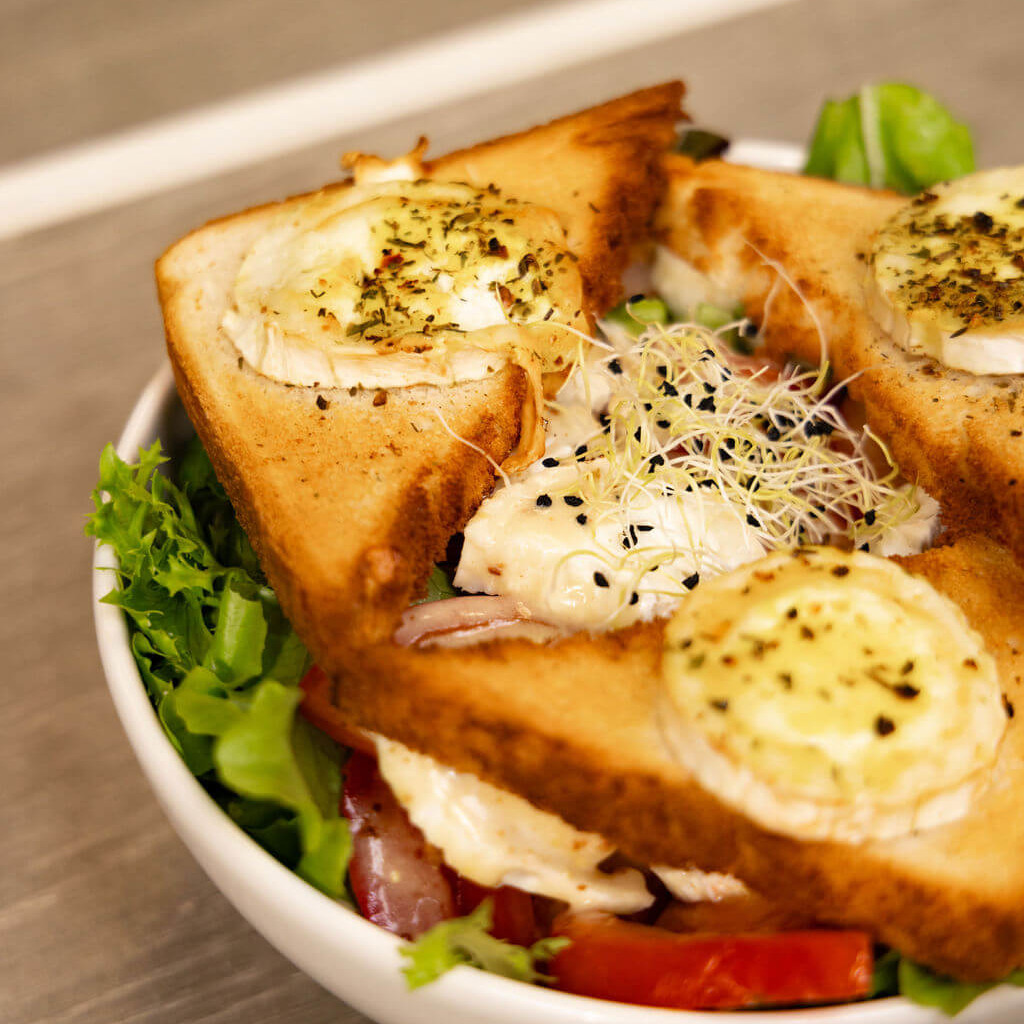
x=318, y=709
x=630, y=963
x=398, y=881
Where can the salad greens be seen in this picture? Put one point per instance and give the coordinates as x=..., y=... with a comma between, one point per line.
x=467, y=940
x=220, y=661
x=890, y=135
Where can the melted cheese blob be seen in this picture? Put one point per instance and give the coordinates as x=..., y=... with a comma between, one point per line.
x=494, y=838
x=948, y=273
x=581, y=566
x=390, y=283
x=831, y=695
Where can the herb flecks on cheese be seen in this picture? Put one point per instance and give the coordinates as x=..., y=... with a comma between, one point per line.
x=831, y=695
x=948, y=273
x=390, y=282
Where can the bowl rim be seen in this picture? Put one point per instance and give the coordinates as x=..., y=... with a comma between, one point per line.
x=183, y=797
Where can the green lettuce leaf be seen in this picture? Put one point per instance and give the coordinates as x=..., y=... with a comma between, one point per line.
x=636, y=314
x=467, y=940
x=892, y=135
x=921, y=986
x=219, y=659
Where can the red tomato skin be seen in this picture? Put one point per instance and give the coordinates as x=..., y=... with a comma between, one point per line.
x=318, y=709
x=514, y=919
x=396, y=881
x=611, y=959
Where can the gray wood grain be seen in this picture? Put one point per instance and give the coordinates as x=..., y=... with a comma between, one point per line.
x=103, y=914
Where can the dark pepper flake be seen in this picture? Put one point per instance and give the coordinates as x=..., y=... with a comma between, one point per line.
x=840, y=570
x=719, y=705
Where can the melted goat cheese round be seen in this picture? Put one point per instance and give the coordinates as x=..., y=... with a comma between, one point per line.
x=831, y=695
x=583, y=567
x=392, y=282
x=495, y=838
x=947, y=275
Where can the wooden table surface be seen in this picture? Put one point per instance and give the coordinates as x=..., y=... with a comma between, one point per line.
x=103, y=914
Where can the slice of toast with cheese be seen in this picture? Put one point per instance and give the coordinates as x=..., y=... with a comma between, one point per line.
x=574, y=727
x=794, y=250
x=350, y=494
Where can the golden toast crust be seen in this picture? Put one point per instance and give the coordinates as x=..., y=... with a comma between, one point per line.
x=573, y=727
x=349, y=498
x=961, y=436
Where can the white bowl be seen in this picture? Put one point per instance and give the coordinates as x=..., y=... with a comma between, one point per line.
x=352, y=958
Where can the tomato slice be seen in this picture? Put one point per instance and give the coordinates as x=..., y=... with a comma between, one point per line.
x=630, y=963
x=318, y=709
x=514, y=918
x=398, y=880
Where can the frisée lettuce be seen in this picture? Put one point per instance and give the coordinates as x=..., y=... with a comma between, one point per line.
x=220, y=661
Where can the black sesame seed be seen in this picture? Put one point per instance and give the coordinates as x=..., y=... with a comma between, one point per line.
x=664, y=424
x=982, y=221
x=573, y=500
x=634, y=597
x=639, y=297
x=719, y=705
x=615, y=366
x=600, y=579
x=884, y=726
x=543, y=500
x=706, y=404
x=840, y=570
x=691, y=581
x=644, y=527
x=637, y=434
x=905, y=691
x=662, y=371
x=582, y=519
x=657, y=460
x=709, y=388
x=669, y=389
x=550, y=463
x=772, y=433
x=752, y=520
x=580, y=451
x=869, y=517
x=1007, y=706
x=321, y=402
x=864, y=547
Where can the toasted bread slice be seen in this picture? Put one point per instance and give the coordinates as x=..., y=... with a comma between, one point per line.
x=960, y=435
x=571, y=726
x=349, y=496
